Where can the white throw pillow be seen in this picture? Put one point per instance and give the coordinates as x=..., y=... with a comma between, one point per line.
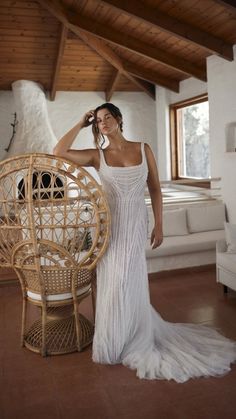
x=206, y=217
x=175, y=223
x=230, y=235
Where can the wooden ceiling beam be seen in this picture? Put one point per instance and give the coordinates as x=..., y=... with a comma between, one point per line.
x=58, y=11
x=128, y=69
x=112, y=85
x=152, y=76
x=175, y=27
x=137, y=46
x=108, y=54
x=61, y=48
x=229, y=4
x=74, y=21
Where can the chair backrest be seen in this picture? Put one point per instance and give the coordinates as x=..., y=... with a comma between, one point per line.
x=53, y=218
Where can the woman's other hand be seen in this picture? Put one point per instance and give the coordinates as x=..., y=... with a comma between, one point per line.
x=156, y=237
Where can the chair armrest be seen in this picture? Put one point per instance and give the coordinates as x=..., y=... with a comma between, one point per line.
x=221, y=246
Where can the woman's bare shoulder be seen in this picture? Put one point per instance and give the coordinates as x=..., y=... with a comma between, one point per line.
x=133, y=144
x=138, y=143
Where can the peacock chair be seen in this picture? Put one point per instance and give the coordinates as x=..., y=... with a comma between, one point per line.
x=54, y=228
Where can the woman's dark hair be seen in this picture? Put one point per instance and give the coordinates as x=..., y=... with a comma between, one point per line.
x=115, y=112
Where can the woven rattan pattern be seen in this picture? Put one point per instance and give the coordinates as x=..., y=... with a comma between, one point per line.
x=57, y=281
x=60, y=335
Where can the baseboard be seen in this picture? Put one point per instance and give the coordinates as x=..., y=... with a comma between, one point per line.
x=191, y=269
x=8, y=277
x=9, y=282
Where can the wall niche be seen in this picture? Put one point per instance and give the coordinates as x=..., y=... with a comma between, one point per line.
x=230, y=136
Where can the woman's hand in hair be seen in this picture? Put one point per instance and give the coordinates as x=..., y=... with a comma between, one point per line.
x=87, y=119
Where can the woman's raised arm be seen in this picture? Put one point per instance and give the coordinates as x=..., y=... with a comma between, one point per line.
x=87, y=157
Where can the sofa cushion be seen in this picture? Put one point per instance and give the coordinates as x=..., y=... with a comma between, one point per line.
x=174, y=222
x=58, y=297
x=230, y=235
x=186, y=244
x=206, y=218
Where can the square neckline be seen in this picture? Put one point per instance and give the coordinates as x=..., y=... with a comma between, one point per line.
x=125, y=167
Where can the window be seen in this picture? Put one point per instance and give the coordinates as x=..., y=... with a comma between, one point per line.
x=190, y=139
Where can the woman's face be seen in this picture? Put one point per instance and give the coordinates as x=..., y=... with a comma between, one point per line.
x=106, y=123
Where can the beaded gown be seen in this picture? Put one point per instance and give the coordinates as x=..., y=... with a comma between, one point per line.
x=127, y=328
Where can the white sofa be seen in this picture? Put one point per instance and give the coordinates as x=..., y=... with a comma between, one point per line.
x=226, y=258
x=190, y=235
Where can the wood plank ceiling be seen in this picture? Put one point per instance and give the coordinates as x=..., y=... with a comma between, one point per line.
x=112, y=45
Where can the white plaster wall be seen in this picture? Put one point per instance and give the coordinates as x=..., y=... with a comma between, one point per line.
x=163, y=133
x=222, y=108
x=139, y=115
x=66, y=110
x=138, y=112
x=188, y=88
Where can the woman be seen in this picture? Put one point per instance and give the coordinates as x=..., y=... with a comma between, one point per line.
x=127, y=329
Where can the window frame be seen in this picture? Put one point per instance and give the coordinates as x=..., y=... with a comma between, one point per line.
x=174, y=139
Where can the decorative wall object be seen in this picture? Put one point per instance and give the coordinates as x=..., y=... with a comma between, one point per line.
x=34, y=132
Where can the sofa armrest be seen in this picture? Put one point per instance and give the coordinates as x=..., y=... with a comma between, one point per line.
x=221, y=246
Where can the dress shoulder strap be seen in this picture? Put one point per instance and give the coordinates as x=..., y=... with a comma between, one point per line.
x=143, y=151
x=101, y=154
x=144, y=158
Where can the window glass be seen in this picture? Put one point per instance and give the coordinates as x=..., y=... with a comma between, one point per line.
x=193, y=141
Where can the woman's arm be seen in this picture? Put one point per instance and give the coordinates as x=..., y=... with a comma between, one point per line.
x=156, y=197
x=88, y=157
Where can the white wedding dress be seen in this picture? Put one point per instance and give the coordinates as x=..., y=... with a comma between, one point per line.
x=127, y=328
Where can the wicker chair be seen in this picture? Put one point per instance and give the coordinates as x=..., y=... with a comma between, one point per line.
x=54, y=227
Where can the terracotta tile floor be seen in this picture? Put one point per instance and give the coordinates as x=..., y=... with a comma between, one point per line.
x=72, y=386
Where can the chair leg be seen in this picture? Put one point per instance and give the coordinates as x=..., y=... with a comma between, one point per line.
x=24, y=307
x=225, y=288
x=77, y=325
x=44, y=319
x=23, y=321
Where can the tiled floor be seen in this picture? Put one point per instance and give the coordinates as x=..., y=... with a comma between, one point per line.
x=72, y=386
